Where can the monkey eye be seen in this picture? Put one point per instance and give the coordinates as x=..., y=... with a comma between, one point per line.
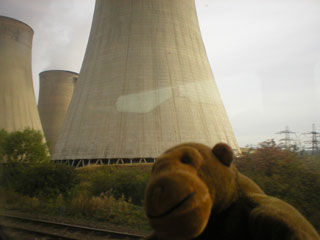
x=185, y=159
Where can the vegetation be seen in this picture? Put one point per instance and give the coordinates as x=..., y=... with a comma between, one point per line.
x=285, y=175
x=114, y=194
x=42, y=180
x=3, y=137
x=26, y=168
x=122, y=181
x=23, y=146
x=87, y=193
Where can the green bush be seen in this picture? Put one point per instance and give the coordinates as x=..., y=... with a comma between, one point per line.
x=3, y=137
x=311, y=162
x=44, y=180
x=23, y=146
x=285, y=175
x=127, y=181
x=12, y=174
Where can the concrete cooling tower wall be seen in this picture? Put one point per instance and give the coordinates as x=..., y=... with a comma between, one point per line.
x=18, y=108
x=144, y=86
x=56, y=90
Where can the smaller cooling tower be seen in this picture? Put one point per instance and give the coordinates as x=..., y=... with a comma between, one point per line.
x=56, y=89
x=18, y=108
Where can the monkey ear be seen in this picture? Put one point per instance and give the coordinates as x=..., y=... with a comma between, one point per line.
x=224, y=153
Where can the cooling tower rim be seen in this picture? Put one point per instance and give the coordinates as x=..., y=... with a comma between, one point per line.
x=17, y=21
x=57, y=70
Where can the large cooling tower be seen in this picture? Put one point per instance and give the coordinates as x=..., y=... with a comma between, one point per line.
x=56, y=90
x=145, y=85
x=18, y=108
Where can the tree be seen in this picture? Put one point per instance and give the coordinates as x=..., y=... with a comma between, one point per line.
x=46, y=180
x=286, y=175
x=26, y=146
x=26, y=167
x=3, y=136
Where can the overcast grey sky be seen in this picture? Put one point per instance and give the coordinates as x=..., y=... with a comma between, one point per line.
x=265, y=55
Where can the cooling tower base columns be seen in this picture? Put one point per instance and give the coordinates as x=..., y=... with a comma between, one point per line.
x=110, y=161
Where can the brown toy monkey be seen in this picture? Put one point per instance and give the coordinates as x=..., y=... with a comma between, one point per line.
x=195, y=192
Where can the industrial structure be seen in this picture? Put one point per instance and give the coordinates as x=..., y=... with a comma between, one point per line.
x=18, y=108
x=314, y=144
x=287, y=142
x=144, y=86
x=56, y=89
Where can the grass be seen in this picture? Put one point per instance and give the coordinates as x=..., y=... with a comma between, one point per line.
x=106, y=194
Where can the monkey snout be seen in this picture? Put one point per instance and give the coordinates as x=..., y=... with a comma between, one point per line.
x=167, y=193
